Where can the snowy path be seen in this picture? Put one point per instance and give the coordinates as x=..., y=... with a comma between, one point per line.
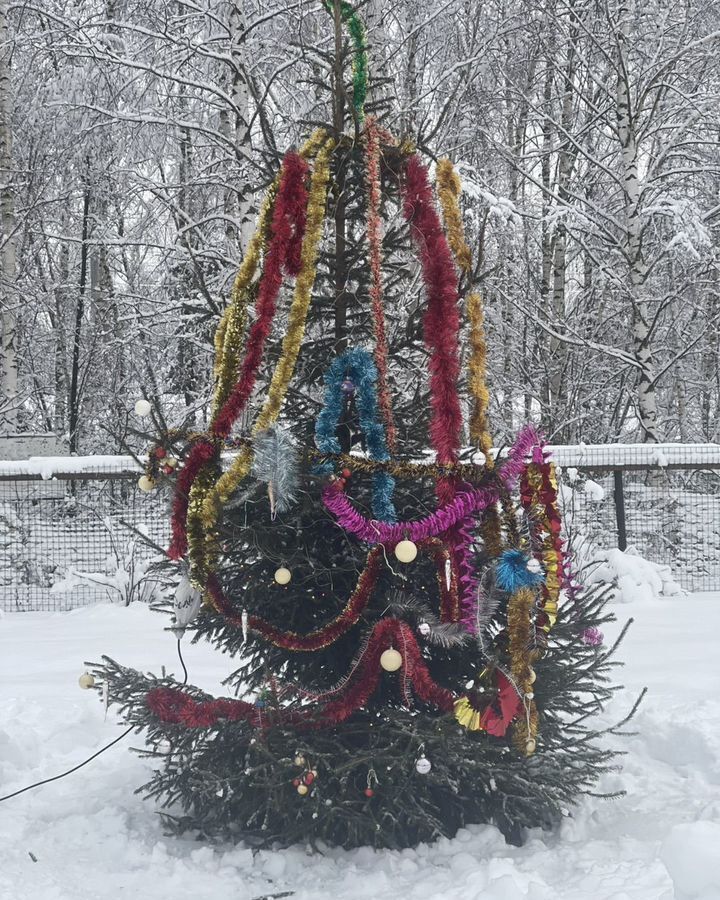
x=92, y=838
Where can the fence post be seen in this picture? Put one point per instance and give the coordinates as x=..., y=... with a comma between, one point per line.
x=619, y=498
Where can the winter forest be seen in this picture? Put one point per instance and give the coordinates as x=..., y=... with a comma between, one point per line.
x=138, y=136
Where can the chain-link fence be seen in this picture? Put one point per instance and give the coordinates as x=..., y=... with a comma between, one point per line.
x=78, y=531
x=659, y=501
x=74, y=532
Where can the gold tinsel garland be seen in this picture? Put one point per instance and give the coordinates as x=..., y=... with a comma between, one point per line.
x=521, y=634
x=449, y=190
x=203, y=555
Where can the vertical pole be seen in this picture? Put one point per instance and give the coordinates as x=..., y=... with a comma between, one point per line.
x=619, y=498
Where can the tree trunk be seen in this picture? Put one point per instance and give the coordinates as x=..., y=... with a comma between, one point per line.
x=8, y=315
x=638, y=271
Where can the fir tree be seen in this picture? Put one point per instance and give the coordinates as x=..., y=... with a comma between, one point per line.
x=412, y=651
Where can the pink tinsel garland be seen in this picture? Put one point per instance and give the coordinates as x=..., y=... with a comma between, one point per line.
x=465, y=503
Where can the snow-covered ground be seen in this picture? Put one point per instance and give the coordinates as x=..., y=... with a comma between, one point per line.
x=89, y=837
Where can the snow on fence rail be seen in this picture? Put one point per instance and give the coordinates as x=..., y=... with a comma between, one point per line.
x=76, y=530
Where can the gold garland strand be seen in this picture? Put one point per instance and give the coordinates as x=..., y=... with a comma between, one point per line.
x=521, y=634
x=226, y=485
x=449, y=188
x=229, y=334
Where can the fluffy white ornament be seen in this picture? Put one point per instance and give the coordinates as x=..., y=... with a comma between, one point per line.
x=424, y=629
x=391, y=660
x=146, y=484
x=86, y=681
x=143, y=408
x=283, y=575
x=423, y=765
x=406, y=551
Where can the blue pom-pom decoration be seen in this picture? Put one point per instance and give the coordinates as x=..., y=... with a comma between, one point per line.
x=512, y=572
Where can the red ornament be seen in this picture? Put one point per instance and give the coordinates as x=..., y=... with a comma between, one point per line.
x=296, y=782
x=168, y=470
x=160, y=452
x=346, y=473
x=309, y=778
x=369, y=792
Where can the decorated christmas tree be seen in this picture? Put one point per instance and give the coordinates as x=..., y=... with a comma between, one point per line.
x=412, y=651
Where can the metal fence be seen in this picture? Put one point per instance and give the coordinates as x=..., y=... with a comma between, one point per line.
x=78, y=531
x=75, y=532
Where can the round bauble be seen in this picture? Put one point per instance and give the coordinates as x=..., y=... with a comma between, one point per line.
x=369, y=792
x=532, y=676
x=86, y=681
x=171, y=462
x=423, y=765
x=146, y=484
x=533, y=566
x=143, y=408
x=283, y=575
x=160, y=452
x=303, y=789
x=391, y=660
x=530, y=746
x=299, y=760
x=424, y=629
x=164, y=746
x=406, y=551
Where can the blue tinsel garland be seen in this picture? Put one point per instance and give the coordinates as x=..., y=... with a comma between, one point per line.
x=357, y=364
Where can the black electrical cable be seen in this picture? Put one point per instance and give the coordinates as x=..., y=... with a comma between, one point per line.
x=97, y=753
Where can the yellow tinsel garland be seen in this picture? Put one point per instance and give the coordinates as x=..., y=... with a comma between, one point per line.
x=449, y=188
x=520, y=632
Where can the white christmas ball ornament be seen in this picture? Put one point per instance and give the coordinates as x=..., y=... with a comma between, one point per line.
x=143, y=408
x=424, y=629
x=391, y=660
x=423, y=765
x=186, y=603
x=533, y=566
x=283, y=575
x=86, y=681
x=406, y=551
x=163, y=746
x=146, y=484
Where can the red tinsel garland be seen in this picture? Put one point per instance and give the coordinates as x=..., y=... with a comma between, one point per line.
x=442, y=320
x=176, y=706
x=288, y=226
x=201, y=453
x=328, y=634
x=321, y=637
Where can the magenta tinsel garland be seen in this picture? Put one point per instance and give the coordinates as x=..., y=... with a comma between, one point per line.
x=527, y=442
x=466, y=502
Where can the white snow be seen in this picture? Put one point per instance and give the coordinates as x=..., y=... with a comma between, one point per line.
x=92, y=838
